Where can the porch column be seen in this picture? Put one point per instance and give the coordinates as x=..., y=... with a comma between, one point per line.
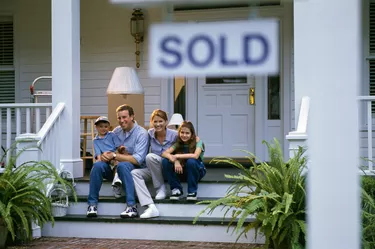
x=327, y=69
x=66, y=79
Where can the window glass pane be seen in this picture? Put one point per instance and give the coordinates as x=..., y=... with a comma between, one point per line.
x=274, y=97
x=227, y=80
x=179, y=96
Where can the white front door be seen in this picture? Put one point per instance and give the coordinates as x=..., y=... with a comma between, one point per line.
x=226, y=115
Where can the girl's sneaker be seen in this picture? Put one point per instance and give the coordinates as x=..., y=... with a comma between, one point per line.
x=191, y=196
x=176, y=194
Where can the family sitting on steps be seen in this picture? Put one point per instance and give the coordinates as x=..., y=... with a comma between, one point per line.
x=130, y=156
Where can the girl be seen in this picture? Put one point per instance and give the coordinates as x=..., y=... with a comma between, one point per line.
x=184, y=157
x=161, y=138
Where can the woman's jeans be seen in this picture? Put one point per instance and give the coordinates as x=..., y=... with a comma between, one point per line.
x=194, y=170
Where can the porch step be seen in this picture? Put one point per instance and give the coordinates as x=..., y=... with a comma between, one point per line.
x=205, y=189
x=111, y=206
x=174, y=223
x=161, y=228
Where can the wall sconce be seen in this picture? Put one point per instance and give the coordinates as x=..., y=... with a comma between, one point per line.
x=137, y=31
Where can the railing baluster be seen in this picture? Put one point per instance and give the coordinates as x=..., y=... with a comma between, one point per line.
x=28, y=120
x=48, y=112
x=37, y=120
x=9, y=132
x=369, y=134
x=18, y=121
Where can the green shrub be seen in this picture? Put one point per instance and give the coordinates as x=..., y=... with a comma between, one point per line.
x=273, y=192
x=23, y=197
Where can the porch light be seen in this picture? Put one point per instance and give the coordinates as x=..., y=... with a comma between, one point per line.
x=125, y=81
x=137, y=31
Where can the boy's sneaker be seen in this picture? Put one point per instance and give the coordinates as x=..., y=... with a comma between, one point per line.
x=176, y=194
x=130, y=212
x=191, y=196
x=92, y=211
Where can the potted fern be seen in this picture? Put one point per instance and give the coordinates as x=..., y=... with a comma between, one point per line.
x=273, y=192
x=23, y=197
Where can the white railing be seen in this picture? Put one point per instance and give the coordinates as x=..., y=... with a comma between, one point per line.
x=50, y=136
x=19, y=118
x=299, y=137
x=368, y=127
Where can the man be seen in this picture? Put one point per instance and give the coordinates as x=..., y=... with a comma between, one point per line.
x=135, y=139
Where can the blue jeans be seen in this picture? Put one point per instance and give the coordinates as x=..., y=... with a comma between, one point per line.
x=102, y=170
x=194, y=170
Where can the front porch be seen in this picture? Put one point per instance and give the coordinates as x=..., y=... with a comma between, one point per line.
x=97, y=31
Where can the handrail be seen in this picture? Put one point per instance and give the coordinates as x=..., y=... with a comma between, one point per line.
x=50, y=121
x=303, y=115
x=25, y=105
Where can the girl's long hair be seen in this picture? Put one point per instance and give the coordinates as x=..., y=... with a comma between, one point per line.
x=192, y=141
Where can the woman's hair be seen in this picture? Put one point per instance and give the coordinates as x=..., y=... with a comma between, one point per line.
x=160, y=113
x=193, y=139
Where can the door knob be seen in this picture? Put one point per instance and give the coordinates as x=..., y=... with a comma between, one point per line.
x=252, y=96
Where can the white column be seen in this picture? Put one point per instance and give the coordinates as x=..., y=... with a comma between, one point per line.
x=66, y=79
x=327, y=68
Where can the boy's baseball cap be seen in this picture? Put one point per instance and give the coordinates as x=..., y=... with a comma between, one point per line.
x=101, y=119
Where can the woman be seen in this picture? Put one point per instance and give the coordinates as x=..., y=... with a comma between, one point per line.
x=184, y=157
x=161, y=138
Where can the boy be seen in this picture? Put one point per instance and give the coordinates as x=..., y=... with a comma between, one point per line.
x=108, y=141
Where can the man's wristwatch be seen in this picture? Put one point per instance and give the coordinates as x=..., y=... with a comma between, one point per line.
x=114, y=155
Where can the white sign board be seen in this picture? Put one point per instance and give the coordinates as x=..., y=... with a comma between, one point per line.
x=215, y=48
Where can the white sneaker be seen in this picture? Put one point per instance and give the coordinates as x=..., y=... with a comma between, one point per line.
x=116, y=180
x=150, y=212
x=130, y=212
x=116, y=186
x=116, y=189
x=161, y=193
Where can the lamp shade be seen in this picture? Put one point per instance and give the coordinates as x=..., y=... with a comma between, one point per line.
x=125, y=81
x=176, y=119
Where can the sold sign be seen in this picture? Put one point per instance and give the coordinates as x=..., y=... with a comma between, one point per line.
x=214, y=49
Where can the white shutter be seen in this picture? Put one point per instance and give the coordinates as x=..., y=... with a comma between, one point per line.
x=7, y=79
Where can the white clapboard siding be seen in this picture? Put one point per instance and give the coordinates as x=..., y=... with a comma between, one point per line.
x=106, y=43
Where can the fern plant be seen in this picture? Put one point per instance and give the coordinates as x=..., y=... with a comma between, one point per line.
x=368, y=212
x=273, y=192
x=23, y=197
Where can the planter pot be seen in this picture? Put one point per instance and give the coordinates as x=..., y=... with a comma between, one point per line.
x=3, y=234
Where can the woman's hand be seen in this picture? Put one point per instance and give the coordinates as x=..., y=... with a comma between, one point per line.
x=172, y=158
x=178, y=167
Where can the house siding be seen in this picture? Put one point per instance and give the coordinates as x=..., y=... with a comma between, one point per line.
x=106, y=43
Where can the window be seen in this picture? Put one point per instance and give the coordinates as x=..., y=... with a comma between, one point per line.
x=227, y=80
x=7, y=74
x=273, y=97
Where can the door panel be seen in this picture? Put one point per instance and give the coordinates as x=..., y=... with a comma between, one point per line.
x=225, y=118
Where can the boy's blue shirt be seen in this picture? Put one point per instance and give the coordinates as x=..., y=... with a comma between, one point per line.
x=110, y=142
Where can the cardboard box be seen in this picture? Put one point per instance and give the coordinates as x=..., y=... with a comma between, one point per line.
x=134, y=100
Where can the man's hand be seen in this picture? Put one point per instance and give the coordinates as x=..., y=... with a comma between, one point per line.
x=177, y=167
x=107, y=156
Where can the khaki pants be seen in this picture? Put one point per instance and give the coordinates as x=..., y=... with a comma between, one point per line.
x=153, y=172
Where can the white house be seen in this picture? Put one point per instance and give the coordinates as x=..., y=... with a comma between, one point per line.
x=80, y=43
x=106, y=43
